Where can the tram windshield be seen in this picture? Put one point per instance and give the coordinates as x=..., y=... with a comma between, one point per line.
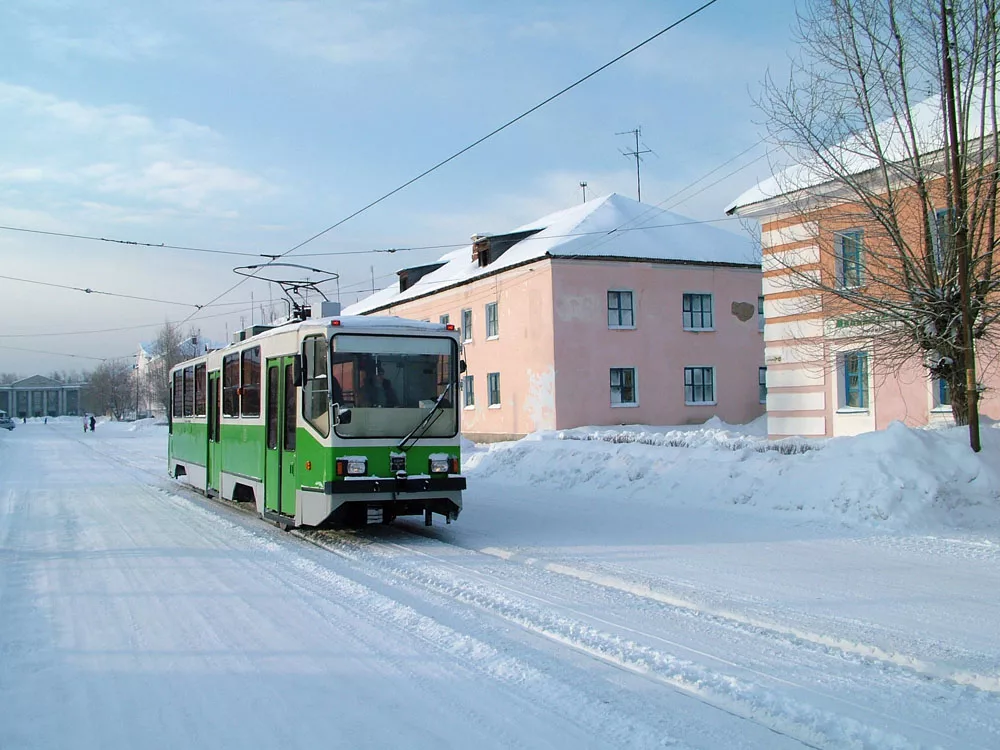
x=388, y=384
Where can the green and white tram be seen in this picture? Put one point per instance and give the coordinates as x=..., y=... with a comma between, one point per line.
x=339, y=420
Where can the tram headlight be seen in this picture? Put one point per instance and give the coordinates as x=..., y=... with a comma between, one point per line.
x=443, y=465
x=352, y=467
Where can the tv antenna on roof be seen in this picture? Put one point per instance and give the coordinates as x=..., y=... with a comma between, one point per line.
x=583, y=186
x=288, y=276
x=636, y=153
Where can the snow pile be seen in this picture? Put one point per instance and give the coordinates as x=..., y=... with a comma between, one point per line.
x=900, y=477
x=712, y=434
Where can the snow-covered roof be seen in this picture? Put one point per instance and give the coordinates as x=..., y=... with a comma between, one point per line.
x=857, y=154
x=600, y=228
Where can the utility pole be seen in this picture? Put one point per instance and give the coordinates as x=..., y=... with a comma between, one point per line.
x=373, y=279
x=958, y=221
x=583, y=186
x=637, y=155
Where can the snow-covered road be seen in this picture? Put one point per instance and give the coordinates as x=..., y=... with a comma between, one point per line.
x=134, y=613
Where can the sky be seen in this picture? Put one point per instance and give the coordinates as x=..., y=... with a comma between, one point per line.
x=249, y=126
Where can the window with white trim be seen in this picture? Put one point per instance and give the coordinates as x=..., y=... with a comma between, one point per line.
x=762, y=384
x=444, y=320
x=493, y=388
x=699, y=385
x=492, y=321
x=698, y=312
x=468, y=391
x=621, y=311
x=623, y=387
x=854, y=377
x=466, y=325
x=942, y=394
x=850, y=250
x=760, y=313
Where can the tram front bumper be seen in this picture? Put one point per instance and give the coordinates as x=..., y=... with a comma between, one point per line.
x=440, y=494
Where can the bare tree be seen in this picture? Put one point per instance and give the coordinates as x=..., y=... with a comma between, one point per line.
x=110, y=389
x=890, y=114
x=170, y=348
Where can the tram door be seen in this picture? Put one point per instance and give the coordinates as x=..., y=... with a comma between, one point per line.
x=213, y=432
x=280, y=482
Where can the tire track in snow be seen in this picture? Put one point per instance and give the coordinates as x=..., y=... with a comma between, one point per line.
x=984, y=682
x=785, y=715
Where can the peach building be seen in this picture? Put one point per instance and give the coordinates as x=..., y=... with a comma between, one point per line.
x=826, y=372
x=610, y=312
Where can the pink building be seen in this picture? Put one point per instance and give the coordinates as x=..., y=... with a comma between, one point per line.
x=610, y=312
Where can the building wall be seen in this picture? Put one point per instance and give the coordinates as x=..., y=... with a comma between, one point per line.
x=805, y=340
x=522, y=352
x=658, y=347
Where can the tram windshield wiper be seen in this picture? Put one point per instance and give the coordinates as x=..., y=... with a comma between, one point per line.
x=425, y=424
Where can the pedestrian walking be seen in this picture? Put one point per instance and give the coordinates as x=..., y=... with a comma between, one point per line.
x=93, y=422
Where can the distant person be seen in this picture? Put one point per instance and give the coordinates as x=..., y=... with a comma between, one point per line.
x=93, y=423
x=388, y=395
x=85, y=425
x=45, y=421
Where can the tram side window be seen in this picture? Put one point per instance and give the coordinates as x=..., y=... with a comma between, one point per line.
x=177, y=396
x=188, y=391
x=199, y=390
x=231, y=385
x=316, y=393
x=250, y=390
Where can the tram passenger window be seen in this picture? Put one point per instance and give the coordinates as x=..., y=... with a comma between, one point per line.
x=188, y=391
x=200, y=401
x=316, y=393
x=231, y=385
x=250, y=390
x=272, y=407
x=177, y=397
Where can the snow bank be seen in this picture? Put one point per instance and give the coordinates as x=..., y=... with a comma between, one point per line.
x=900, y=477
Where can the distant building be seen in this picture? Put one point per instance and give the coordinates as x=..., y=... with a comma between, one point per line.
x=610, y=312
x=39, y=396
x=149, y=367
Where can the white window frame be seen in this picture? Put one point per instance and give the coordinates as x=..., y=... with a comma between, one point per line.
x=489, y=392
x=715, y=393
x=444, y=319
x=936, y=405
x=631, y=296
x=841, y=280
x=866, y=385
x=762, y=381
x=711, y=310
x=635, y=388
x=496, y=320
x=468, y=392
x=467, y=329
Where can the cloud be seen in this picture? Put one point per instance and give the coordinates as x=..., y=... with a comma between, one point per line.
x=119, y=42
x=117, y=150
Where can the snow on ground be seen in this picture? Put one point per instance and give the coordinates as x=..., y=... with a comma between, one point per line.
x=634, y=587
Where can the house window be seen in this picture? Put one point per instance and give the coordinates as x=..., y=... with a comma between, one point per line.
x=621, y=312
x=698, y=312
x=444, y=320
x=849, y=248
x=942, y=394
x=493, y=388
x=943, y=237
x=231, y=385
x=760, y=313
x=468, y=392
x=466, y=325
x=250, y=384
x=854, y=366
x=762, y=384
x=623, y=390
x=492, y=323
x=699, y=385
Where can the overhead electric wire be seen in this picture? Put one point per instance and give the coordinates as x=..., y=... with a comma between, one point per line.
x=477, y=142
x=71, y=235
x=88, y=290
